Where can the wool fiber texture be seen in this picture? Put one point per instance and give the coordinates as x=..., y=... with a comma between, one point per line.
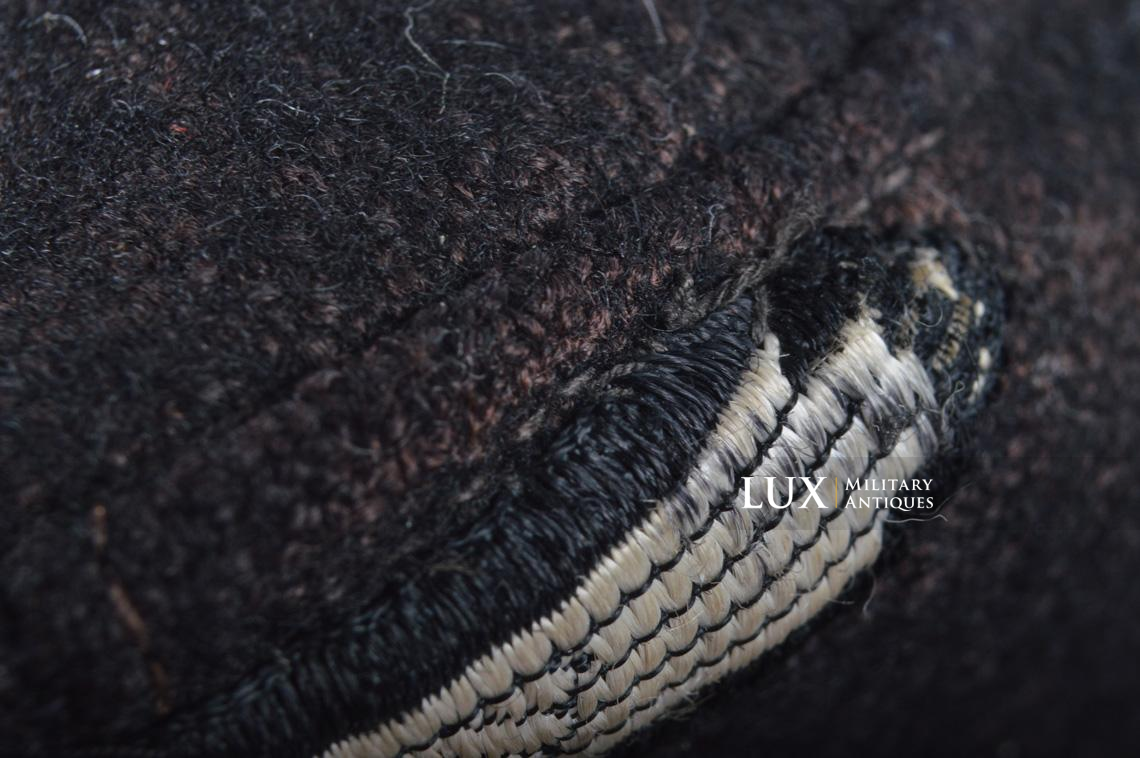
x=314, y=316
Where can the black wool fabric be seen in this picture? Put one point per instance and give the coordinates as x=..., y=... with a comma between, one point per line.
x=286, y=289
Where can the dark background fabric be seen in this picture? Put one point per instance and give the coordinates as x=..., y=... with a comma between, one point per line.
x=1009, y=629
x=282, y=285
